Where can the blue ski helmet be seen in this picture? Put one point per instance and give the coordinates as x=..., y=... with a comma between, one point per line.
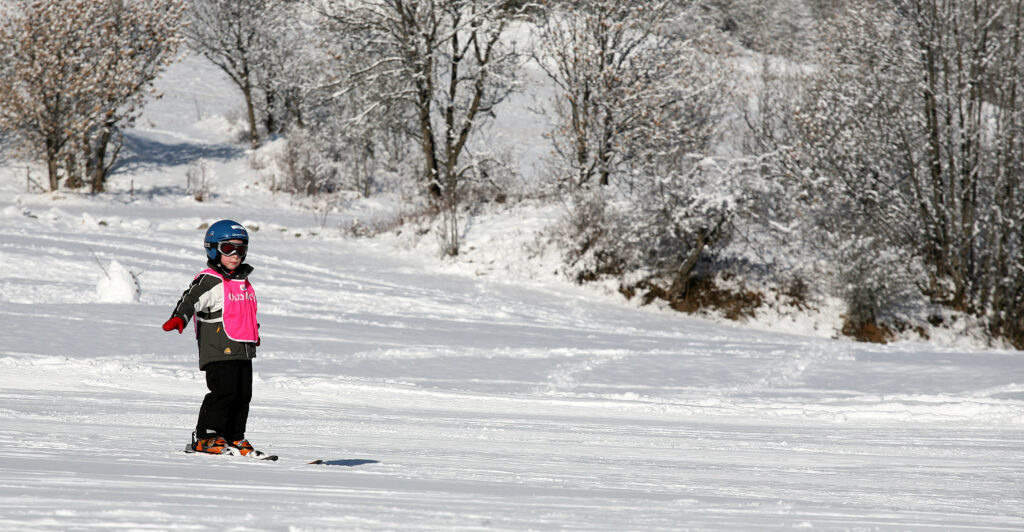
x=221, y=231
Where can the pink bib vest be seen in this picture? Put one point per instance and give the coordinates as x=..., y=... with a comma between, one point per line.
x=239, y=308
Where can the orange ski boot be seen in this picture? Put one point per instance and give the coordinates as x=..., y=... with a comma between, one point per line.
x=245, y=448
x=216, y=445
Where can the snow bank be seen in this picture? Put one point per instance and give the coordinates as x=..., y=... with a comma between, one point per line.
x=117, y=285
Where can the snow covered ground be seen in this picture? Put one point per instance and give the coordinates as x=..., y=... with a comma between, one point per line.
x=465, y=395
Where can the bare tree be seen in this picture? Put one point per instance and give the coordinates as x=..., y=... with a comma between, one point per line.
x=637, y=110
x=231, y=33
x=971, y=157
x=141, y=38
x=44, y=63
x=73, y=70
x=623, y=71
x=452, y=65
x=601, y=55
x=293, y=65
x=910, y=137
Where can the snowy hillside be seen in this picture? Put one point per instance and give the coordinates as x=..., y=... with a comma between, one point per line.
x=446, y=395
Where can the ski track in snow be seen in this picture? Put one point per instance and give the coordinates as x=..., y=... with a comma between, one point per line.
x=449, y=396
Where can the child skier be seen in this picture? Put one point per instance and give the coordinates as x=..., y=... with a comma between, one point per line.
x=223, y=303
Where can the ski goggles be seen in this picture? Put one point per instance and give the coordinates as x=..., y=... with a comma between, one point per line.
x=227, y=249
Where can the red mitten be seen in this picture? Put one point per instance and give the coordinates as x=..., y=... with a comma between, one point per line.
x=174, y=323
x=257, y=342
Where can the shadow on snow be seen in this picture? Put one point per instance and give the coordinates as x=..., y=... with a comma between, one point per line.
x=141, y=151
x=348, y=463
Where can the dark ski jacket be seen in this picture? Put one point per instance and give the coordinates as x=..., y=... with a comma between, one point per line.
x=204, y=299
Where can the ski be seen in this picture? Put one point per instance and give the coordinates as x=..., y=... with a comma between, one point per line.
x=257, y=455
x=260, y=455
x=273, y=458
x=268, y=457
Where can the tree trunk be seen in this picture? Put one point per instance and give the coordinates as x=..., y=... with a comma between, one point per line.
x=98, y=158
x=250, y=110
x=427, y=143
x=51, y=164
x=677, y=291
x=939, y=245
x=270, y=122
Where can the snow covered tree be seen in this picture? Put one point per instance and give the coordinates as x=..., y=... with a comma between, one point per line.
x=910, y=136
x=74, y=71
x=637, y=109
x=839, y=132
x=785, y=28
x=611, y=68
x=452, y=67
x=968, y=183
x=291, y=66
x=335, y=108
x=270, y=50
x=231, y=34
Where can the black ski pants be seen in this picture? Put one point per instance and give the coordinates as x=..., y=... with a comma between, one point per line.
x=225, y=409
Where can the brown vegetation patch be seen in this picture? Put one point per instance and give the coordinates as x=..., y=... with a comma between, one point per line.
x=702, y=295
x=868, y=332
